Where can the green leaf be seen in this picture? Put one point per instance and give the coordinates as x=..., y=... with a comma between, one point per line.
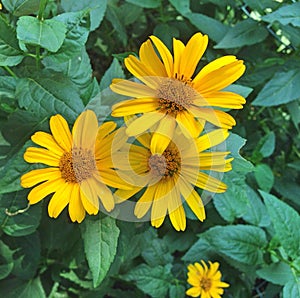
x=288, y=188
x=264, y=177
x=146, y=3
x=286, y=222
x=114, y=71
x=100, y=245
x=15, y=287
x=244, y=33
x=21, y=7
x=165, y=33
x=282, y=88
x=6, y=260
x=201, y=245
x=157, y=254
x=48, y=93
x=292, y=289
x=16, y=220
x=153, y=281
x=294, y=110
x=268, y=144
x=261, y=5
x=97, y=9
x=241, y=243
x=7, y=93
x=277, y=273
x=177, y=291
x=239, y=89
x=207, y=25
x=73, y=277
x=78, y=26
x=256, y=212
x=48, y=34
x=183, y=7
x=288, y=14
x=10, y=53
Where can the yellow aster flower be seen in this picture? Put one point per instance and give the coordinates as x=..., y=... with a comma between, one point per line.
x=169, y=87
x=206, y=282
x=79, y=166
x=168, y=178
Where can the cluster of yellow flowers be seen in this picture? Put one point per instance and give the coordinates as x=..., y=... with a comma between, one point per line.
x=174, y=126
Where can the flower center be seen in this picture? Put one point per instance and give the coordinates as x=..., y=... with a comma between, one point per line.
x=205, y=284
x=77, y=165
x=174, y=96
x=167, y=164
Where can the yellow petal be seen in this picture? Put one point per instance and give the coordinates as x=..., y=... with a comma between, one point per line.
x=60, y=200
x=105, y=129
x=149, y=57
x=41, y=155
x=162, y=135
x=85, y=130
x=212, y=139
x=178, y=48
x=190, y=126
x=160, y=205
x=105, y=195
x=193, y=292
x=76, y=209
x=192, y=53
x=42, y=190
x=123, y=195
x=145, y=202
x=111, y=178
x=144, y=122
x=89, y=197
x=37, y=176
x=61, y=132
x=210, y=183
x=165, y=54
x=46, y=140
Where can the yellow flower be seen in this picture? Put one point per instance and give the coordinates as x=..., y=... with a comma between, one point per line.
x=79, y=166
x=206, y=282
x=169, y=87
x=168, y=178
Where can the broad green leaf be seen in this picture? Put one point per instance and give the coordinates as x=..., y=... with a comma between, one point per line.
x=20, y=288
x=292, y=34
x=153, y=281
x=97, y=9
x=165, y=33
x=114, y=71
x=130, y=13
x=264, y=177
x=239, y=89
x=17, y=220
x=157, y=254
x=78, y=26
x=292, y=288
x=282, y=88
x=277, y=273
x=182, y=243
x=244, y=33
x=288, y=14
x=48, y=93
x=183, y=7
x=7, y=94
x=261, y=5
x=10, y=53
x=289, y=188
x=256, y=212
x=146, y=3
x=294, y=110
x=207, y=25
x=268, y=144
x=6, y=260
x=100, y=245
x=241, y=243
x=49, y=34
x=21, y=7
x=177, y=291
x=286, y=222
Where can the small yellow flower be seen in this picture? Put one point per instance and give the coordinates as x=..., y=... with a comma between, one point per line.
x=79, y=166
x=206, y=282
x=169, y=88
x=167, y=179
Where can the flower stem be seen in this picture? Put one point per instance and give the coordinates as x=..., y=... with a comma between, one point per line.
x=10, y=71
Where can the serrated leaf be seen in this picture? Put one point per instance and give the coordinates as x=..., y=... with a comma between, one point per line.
x=10, y=53
x=97, y=9
x=288, y=14
x=146, y=3
x=241, y=243
x=6, y=260
x=264, y=177
x=282, y=88
x=292, y=289
x=152, y=281
x=18, y=220
x=49, y=34
x=21, y=7
x=286, y=222
x=100, y=239
x=244, y=33
x=78, y=26
x=277, y=273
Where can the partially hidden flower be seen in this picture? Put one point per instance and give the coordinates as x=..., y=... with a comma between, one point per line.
x=206, y=282
x=167, y=179
x=168, y=87
x=79, y=166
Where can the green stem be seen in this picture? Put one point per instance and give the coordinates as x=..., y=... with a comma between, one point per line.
x=43, y=4
x=10, y=71
x=272, y=252
x=38, y=56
